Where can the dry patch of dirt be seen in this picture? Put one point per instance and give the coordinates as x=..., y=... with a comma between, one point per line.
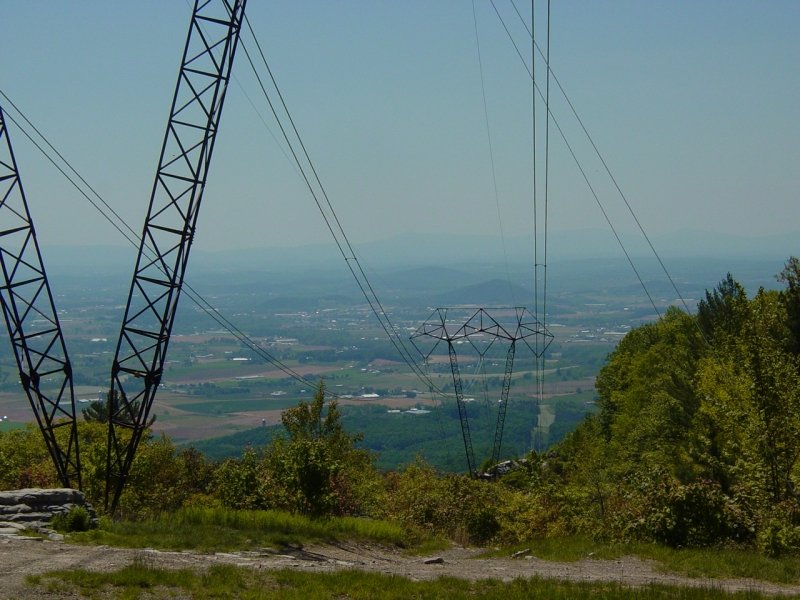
x=21, y=557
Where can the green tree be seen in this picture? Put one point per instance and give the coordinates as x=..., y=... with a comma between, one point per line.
x=697, y=440
x=236, y=482
x=646, y=395
x=721, y=315
x=163, y=478
x=751, y=392
x=790, y=297
x=24, y=460
x=98, y=411
x=316, y=468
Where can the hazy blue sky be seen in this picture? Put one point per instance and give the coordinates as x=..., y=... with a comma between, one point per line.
x=693, y=103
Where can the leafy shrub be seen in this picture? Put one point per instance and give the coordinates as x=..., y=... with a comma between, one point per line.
x=24, y=460
x=694, y=514
x=163, y=478
x=316, y=464
x=779, y=534
x=314, y=468
x=76, y=519
x=455, y=506
x=778, y=539
x=236, y=482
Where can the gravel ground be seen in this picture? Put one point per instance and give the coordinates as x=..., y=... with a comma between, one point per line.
x=20, y=557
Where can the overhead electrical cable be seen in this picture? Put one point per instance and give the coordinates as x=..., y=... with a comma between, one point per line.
x=363, y=283
x=532, y=73
x=546, y=171
x=546, y=198
x=257, y=111
x=538, y=366
x=603, y=162
x=121, y=226
x=605, y=166
x=61, y=170
x=329, y=214
x=511, y=37
x=581, y=170
x=622, y=195
x=491, y=156
x=266, y=125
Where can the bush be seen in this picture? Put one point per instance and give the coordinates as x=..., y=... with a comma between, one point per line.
x=24, y=460
x=695, y=514
x=163, y=478
x=779, y=535
x=778, y=539
x=236, y=482
x=77, y=519
x=454, y=506
x=313, y=468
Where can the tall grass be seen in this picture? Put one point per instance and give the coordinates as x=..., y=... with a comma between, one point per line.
x=220, y=529
x=142, y=580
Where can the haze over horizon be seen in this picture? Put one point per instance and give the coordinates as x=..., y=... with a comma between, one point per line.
x=693, y=106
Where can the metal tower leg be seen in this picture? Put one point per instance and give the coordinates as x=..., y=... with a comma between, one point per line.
x=30, y=315
x=462, y=411
x=503, y=405
x=169, y=229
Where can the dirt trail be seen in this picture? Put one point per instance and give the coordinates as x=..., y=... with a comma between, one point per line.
x=21, y=557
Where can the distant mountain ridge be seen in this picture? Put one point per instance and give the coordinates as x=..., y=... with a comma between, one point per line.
x=449, y=249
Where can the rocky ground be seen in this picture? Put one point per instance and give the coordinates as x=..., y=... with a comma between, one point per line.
x=21, y=556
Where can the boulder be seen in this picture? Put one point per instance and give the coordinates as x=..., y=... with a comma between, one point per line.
x=35, y=508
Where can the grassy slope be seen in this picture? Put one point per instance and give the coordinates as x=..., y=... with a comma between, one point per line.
x=142, y=580
x=219, y=530
x=214, y=530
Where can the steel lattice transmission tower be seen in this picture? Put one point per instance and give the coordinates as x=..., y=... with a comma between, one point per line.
x=169, y=229
x=481, y=329
x=44, y=368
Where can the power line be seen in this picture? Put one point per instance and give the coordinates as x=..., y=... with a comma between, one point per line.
x=121, y=226
x=491, y=156
x=581, y=169
x=546, y=193
x=602, y=159
x=328, y=213
x=342, y=241
x=607, y=169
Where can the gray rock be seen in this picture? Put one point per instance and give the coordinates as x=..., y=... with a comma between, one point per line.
x=14, y=509
x=34, y=508
x=28, y=517
x=8, y=531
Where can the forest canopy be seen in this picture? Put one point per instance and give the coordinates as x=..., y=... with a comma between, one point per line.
x=698, y=435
